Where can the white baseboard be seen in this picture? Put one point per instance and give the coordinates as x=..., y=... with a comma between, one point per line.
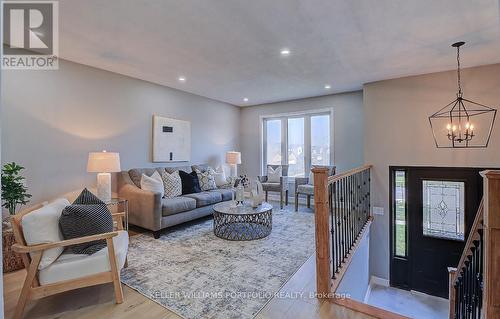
x=367, y=294
x=375, y=281
x=379, y=281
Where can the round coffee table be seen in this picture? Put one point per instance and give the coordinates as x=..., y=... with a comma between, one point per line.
x=242, y=222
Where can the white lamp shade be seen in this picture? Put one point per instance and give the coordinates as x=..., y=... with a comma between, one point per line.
x=103, y=162
x=233, y=158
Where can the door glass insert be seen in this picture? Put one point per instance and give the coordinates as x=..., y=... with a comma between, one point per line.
x=443, y=209
x=400, y=213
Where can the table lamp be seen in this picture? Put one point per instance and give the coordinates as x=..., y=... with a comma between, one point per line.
x=103, y=163
x=233, y=159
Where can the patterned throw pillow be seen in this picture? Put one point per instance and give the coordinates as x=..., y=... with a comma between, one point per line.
x=88, y=215
x=172, y=184
x=207, y=179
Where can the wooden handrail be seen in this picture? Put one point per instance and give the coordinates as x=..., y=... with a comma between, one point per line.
x=455, y=272
x=353, y=171
x=475, y=283
x=491, y=241
x=472, y=234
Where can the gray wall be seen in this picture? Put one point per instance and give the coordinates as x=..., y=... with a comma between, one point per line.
x=397, y=132
x=348, y=128
x=52, y=119
x=357, y=277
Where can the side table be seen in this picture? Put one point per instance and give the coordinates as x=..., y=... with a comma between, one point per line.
x=119, y=206
x=12, y=261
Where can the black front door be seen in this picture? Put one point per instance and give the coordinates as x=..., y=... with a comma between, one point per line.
x=439, y=208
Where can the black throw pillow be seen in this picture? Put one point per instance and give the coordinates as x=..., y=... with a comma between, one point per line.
x=88, y=215
x=190, y=183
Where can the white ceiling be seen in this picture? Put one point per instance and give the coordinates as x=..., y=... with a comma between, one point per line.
x=230, y=49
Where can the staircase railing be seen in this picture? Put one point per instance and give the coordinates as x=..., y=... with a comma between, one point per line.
x=466, y=281
x=342, y=212
x=475, y=283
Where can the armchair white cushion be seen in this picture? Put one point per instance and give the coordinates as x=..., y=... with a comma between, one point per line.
x=41, y=226
x=73, y=266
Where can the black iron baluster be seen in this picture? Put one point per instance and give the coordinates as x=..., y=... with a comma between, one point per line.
x=369, y=195
x=337, y=222
x=349, y=214
x=464, y=291
x=342, y=219
x=358, y=201
x=475, y=271
x=332, y=225
x=480, y=275
x=467, y=288
x=353, y=211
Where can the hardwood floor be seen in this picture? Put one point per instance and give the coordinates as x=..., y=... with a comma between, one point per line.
x=99, y=302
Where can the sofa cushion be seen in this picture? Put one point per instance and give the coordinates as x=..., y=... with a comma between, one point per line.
x=175, y=205
x=306, y=189
x=172, y=184
x=200, y=167
x=177, y=168
x=71, y=266
x=136, y=174
x=42, y=226
x=205, y=198
x=153, y=183
x=272, y=187
x=190, y=183
x=225, y=193
x=206, y=179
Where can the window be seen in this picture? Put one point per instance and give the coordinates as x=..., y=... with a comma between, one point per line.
x=273, y=129
x=400, y=213
x=299, y=140
x=296, y=158
x=320, y=140
x=443, y=203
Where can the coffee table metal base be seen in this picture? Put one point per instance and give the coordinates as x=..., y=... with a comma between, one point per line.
x=243, y=227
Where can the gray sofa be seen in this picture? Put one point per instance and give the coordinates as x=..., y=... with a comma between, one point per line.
x=150, y=211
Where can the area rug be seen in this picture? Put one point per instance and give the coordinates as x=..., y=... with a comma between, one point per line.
x=198, y=275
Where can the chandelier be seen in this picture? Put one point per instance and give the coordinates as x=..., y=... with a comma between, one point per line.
x=462, y=123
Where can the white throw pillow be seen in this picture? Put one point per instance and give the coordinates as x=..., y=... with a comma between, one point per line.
x=274, y=175
x=220, y=177
x=153, y=183
x=311, y=178
x=41, y=226
x=172, y=184
x=207, y=179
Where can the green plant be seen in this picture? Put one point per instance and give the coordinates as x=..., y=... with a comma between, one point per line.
x=14, y=192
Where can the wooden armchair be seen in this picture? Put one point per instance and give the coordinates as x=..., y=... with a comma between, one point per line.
x=73, y=271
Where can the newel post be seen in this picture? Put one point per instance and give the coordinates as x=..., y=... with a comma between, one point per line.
x=491, y=272
x=323, y=270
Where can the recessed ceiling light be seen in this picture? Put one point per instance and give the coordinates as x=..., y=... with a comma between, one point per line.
x=182, y=79
x=327, y=86
x=245, y=99
x=285, y=52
